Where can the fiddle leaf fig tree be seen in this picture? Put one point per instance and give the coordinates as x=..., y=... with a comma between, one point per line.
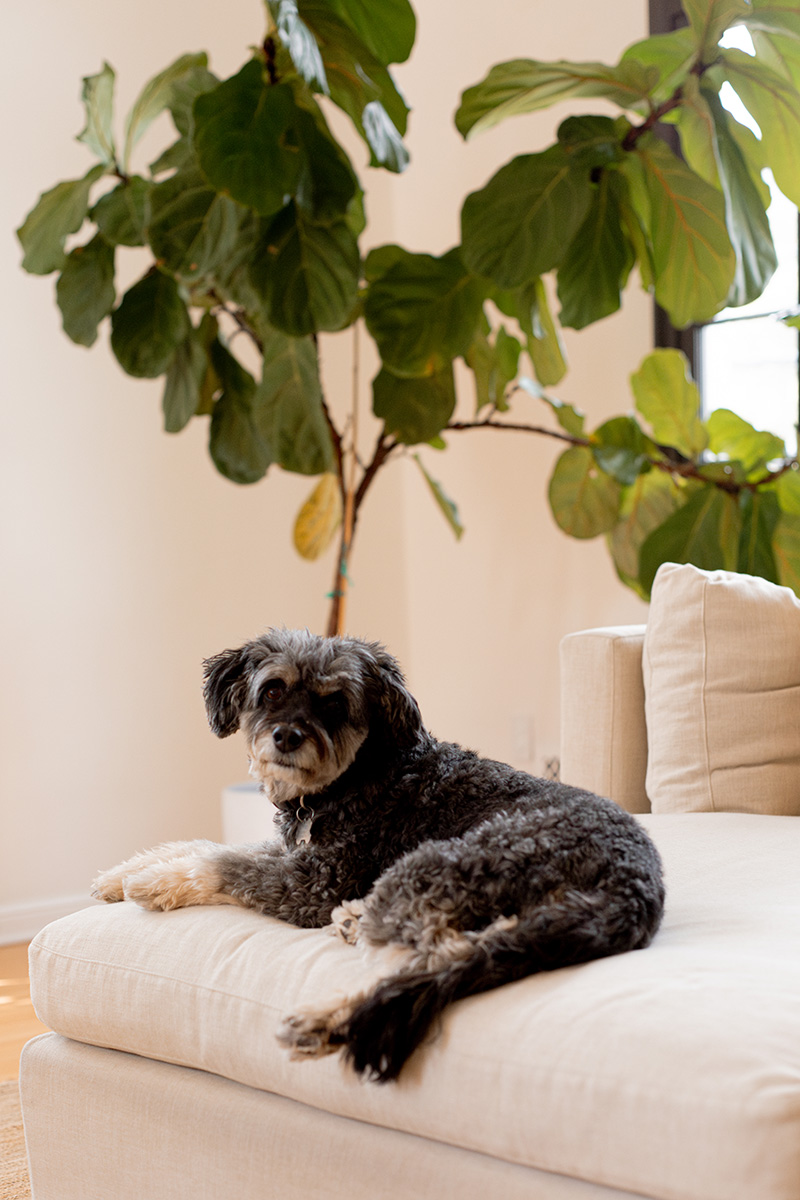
x=610, y=194
x=250, y=222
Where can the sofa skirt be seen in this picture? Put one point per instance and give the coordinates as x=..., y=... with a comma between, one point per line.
x=103, y=1123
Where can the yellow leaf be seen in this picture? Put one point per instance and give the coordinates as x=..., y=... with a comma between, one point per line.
x=319, y=518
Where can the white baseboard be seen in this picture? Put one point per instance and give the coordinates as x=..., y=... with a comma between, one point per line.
x=21, y=922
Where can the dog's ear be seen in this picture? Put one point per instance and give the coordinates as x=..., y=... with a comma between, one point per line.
x=397, y=710
x=225, y=689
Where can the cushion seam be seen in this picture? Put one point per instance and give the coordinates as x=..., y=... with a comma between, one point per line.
x=118, y=968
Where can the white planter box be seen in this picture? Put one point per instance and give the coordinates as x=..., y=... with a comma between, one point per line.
x=246, y=814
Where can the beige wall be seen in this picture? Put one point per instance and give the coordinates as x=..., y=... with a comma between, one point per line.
x=127, y=559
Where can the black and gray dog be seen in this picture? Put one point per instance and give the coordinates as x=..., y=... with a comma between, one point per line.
x=475, y=873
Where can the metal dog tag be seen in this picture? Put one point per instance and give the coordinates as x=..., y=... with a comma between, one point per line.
x=303, y=836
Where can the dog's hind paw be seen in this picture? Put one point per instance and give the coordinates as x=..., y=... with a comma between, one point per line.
x=345, y=920
x=309, y=1035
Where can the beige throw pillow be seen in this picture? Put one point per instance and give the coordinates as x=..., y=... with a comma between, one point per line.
x=722, y=693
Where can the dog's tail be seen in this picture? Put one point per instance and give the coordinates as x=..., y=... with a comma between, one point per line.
x=387, y=1027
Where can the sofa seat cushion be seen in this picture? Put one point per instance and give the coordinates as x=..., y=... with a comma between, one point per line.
x=673, y=1072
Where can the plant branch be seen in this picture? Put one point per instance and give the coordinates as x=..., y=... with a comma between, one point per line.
x=383, y=448
x=637, y=131
x=488, y=423
x=661, y=110
x=673, y=463
x=238, y=316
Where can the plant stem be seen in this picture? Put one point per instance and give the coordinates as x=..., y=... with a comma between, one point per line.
x=383, y=448
x=348, y=466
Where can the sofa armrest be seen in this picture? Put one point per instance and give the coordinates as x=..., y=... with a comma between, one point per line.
x=603, y=732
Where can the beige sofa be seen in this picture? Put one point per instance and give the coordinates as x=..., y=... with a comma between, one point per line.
x=668, y=1074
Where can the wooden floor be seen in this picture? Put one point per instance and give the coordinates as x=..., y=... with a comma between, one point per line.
x=18, y=1022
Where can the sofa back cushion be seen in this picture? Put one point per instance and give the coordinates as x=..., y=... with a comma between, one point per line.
x=722, y=693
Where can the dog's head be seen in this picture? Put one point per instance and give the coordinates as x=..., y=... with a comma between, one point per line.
x=307, y=705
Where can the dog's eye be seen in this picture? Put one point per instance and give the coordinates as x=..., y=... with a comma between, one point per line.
x=273, y=690
x=334, y=706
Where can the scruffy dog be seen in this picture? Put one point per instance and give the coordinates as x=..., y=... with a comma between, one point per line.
x=479, y=874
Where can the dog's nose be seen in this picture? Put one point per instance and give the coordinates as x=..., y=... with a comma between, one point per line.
x=288, y=738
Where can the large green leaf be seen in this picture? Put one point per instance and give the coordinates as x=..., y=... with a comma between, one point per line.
x=176, y=156
x=621, y=449
x=307, y=273
x=327, y=183
x=748, y=224
x=184, y=88
x=584, y=500
x=122, y=215
x=786, y=538
x=98, y=99
x=591, y=141
x=287, y=406
x=193, y=229
x=596, y=266
x=494, y=365
x=693, y=258
x=360, y=85
x=760, y=514
x=188, y=373
x=775, y=104
x=85, y=290
x=635, y=214
x=160, y=93
x=672, y=54
x=57, y=213
x=545, y=347
x=524, y=85
x=708, y=20
x=786, y=550
x=774, y=16
x=520, y=224
x=423, y=312
x=697, y=126
x=236, y=443
x=240, y=138
x=704, y=532
x=301, y=44
x=669, y=400
x=149, y=325
x=730, y=435
x=387, y=31
x=414, y=410
x=646, y=505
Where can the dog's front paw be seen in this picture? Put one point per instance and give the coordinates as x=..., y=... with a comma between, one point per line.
x=345, y=920
x=108, y=885
x=178, y=883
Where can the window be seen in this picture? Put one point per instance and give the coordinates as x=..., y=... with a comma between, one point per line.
x=746, y=359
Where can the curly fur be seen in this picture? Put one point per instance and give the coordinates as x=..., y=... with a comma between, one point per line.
x=473, y=873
